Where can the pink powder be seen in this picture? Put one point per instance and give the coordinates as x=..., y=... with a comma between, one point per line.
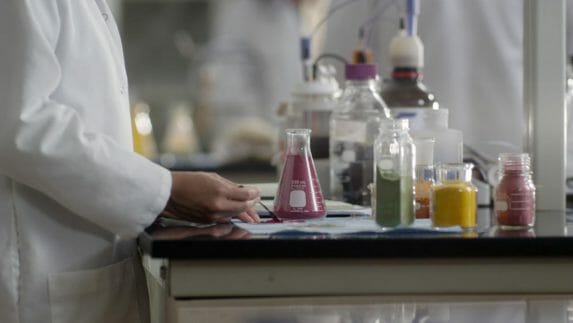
x=515, y=199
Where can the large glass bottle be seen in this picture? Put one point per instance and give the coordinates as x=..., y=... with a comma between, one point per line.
x=404, y=92
x=353, y=127
x=299, y=195
x=394, y=153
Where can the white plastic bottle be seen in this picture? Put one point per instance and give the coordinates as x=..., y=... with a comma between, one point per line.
x=310, y=107
x=448, y=146
x=314, y=101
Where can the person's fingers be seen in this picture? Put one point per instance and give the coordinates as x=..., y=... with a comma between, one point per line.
x=210, y=198
x=223, y=205
x=221, y=217
x=245, y=217
x=249, y=216
x=243, y=193
x=254, y=215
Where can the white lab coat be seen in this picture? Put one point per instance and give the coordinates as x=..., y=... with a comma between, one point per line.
x=72, y=194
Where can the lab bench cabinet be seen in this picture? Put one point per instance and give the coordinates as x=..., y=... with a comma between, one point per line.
x=196, y=270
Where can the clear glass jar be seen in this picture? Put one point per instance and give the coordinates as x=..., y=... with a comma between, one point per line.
x=453, y=200
x=514, y=201
x=353, y=128
x=394, y=153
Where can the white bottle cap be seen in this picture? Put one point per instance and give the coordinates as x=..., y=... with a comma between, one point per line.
x=406, y=51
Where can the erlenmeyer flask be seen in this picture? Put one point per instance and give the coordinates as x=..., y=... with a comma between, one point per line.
x=299, y=195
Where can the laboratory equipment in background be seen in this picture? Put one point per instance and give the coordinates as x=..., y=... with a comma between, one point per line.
x=299, y=195
x=180, y=138
x=404, y=92
x=394, y=155
x=424, y=176
x=354, y=126
x=514, y=201
x=286, y=120
x=311, y=105
x=453, y=201
x=249, y=138
x=316, y=100
x=429, y=123
x=362, y=54
x=142, y=130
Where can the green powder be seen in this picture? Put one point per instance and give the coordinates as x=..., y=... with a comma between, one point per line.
x=394, y=199
x=407, y=200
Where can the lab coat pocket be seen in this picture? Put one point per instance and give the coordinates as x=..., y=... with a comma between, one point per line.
x=107, y=294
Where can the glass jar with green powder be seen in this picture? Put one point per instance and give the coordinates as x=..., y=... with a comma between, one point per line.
x=394, y=154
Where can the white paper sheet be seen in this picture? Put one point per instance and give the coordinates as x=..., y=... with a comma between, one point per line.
x=342, y=226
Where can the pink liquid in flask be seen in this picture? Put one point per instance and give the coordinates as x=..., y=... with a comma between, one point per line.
x=299, y=195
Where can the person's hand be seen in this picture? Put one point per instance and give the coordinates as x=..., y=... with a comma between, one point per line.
x=208, y=197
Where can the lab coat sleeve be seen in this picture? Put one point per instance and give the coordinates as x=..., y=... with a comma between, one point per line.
x=46, y=145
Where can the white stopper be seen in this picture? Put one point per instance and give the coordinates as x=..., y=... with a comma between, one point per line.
x=406, y=51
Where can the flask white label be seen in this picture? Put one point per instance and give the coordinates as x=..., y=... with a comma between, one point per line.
x=501, y=205
x=297, y=198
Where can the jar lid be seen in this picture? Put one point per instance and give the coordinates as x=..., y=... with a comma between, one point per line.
x=360, y=72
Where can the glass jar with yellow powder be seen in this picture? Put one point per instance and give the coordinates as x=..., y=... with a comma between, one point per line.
x=453, y=201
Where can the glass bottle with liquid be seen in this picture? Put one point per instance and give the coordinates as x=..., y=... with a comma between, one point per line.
x=353, y=128
x=404, y=92
x=514, y=201
x=394, y=153
x=299, y=195
x=453, y=200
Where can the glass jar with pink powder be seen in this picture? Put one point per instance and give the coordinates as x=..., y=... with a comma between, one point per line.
x=514, y=201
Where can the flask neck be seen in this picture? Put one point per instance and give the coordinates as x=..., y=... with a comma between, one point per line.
x=298, y=141
x=516, y=170
x=514, y=164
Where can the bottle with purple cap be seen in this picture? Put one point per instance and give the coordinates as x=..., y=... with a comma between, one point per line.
x=354, y=125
